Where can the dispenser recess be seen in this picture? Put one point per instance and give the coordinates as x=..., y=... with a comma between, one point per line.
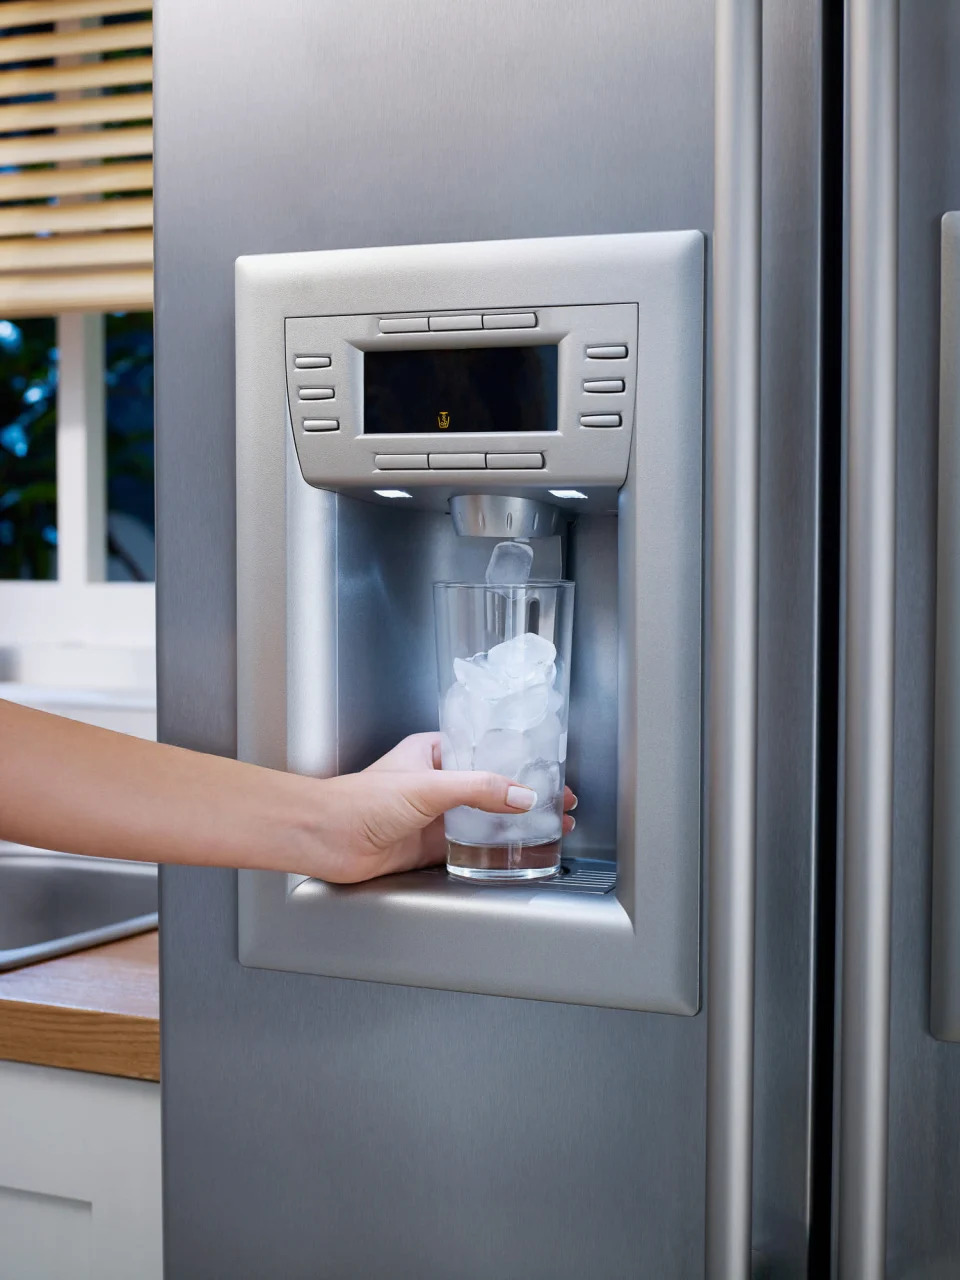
x=366, y=411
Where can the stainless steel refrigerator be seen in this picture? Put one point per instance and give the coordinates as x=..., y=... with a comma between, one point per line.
x=769, y=1089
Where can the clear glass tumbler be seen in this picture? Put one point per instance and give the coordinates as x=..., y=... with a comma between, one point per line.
x=503, y=659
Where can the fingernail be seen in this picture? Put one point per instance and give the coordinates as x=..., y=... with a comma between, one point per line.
x=574, y=805
x=521, y=797
x=573, y=823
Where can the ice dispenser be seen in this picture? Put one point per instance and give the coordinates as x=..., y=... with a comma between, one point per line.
x=398, y=411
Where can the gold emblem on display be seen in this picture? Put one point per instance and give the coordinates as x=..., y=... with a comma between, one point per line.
x=443, y=419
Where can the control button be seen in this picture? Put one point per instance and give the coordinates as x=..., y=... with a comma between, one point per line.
x=457, y=461
x=514, y=461
x=316, y=393
x=603, y=386
x=312, y=362
x=400, y=461
x=517, y=320
x=405, y=324
x=321, y=424
x=607, y=353
x=599, y=419
x=449, y=323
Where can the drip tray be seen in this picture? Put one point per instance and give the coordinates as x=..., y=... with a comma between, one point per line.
x=577, y=875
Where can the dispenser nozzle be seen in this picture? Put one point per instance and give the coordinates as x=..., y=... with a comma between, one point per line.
x=499, y=515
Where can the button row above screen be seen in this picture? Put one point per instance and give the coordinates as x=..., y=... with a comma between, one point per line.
x=457, y=461
x=458, y=324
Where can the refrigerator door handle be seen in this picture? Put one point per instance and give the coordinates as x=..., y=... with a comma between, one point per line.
x=945, y=922
x=732, y=743
x=867, y=800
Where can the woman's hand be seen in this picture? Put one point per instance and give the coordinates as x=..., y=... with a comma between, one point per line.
x=122, y=797
x=389, y=817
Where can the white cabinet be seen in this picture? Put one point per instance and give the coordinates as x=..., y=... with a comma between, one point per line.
x=79, y=1176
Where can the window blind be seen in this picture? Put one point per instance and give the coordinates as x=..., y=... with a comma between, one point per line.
x=76, y=156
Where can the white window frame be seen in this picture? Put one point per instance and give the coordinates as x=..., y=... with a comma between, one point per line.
x=80, y=608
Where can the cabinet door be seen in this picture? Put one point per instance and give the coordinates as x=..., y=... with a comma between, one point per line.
x=79, y=1176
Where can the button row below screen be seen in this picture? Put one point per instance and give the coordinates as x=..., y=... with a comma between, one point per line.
x=458, y=324
x=458, y=461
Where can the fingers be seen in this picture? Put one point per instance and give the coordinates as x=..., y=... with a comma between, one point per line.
x=418, y=751
x=436, y=792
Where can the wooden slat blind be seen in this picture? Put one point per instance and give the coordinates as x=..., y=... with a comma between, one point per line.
x=76, y=145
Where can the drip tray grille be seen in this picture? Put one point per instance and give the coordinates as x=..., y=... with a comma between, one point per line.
x=577, y=875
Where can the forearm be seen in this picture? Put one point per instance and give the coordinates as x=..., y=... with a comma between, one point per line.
x=77, y=788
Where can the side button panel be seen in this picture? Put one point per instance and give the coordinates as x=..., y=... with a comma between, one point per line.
x=600, y=420
x=603, y=386
x=609, y=352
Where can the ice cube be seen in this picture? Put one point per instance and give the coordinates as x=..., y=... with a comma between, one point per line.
x=542, y=825
x=524, y=656
x=454, y=755
x=515, y=829
x=473, y=826
x=543, y=776
x=521, y=710
x=556, y=704
x=502, y=751
x=544, y=739
x=510, y=564
x=455, y=709
x=476, y=675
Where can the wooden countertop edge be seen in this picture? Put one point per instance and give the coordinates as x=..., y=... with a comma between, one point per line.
x=112, y=1044
x=94, y=1010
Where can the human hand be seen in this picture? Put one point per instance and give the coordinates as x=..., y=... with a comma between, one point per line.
x=388, y=818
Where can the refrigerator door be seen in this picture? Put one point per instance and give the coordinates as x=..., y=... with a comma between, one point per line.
x=324, y=1127
x=898, y=1165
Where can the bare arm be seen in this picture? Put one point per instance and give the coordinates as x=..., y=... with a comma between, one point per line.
x=81, y=789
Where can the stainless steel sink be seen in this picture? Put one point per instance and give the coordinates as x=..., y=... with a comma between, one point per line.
x=52, y=903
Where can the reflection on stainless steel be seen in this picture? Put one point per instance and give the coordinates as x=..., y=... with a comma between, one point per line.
x=52, y=903
x=500, y=515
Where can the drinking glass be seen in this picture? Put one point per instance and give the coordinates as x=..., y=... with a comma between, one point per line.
x=503, y=660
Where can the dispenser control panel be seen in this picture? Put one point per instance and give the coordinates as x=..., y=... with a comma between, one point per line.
x=399, y=408
x=432, y=398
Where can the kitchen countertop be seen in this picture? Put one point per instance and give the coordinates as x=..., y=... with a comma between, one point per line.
x=95, y=1010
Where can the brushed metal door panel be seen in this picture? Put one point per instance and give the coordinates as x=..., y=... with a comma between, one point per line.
x=923, y=1178
x=327, y=1128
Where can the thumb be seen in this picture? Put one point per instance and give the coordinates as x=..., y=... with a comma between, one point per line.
x=437, y=791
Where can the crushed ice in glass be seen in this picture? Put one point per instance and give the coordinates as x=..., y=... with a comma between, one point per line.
x=504, y=714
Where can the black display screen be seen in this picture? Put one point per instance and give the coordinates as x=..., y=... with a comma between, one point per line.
x=479, y=389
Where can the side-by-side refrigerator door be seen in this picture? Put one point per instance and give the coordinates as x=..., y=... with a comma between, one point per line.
x=897, y=1166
